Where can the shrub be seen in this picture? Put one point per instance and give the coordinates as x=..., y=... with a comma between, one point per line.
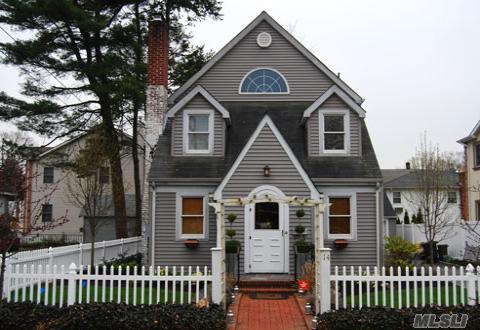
x=399, y=252
x=406, y=218
x=300, y=213
x=303, y=246
x=231, y=217
x=419, y=216
x=232, y=246
x=299, y=229
x=124, y=261
x=110, y=316
x=387, y=318
x=231, y=233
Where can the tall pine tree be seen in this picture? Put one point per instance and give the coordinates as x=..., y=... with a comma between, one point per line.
x=89, y=44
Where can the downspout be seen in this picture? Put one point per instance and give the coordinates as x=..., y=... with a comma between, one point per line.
x=152, y=233
x=378, y=191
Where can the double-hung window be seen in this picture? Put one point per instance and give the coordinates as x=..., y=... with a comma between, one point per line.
x=48, y=174
x=397, y=197
x=198, y=131
x=47, y=212
x=192, y=218
x=452, y=197
x=477, y=155
x=340, y=217
x=334, y=126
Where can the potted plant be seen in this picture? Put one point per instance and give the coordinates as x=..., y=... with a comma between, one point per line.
x=340, y=243
x=232, y=246
x=191, y=243
x=302, y=246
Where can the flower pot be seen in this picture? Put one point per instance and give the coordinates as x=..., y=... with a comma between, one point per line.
x=341, y=243
x=191, y=243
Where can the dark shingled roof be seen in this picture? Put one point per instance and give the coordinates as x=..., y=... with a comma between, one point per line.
x=245, y=117
x=408, y=179
x=388, y=211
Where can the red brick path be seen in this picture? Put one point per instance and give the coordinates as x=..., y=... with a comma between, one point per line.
x=262, y=314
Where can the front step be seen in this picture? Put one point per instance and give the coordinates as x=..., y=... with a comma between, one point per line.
x=250, y=286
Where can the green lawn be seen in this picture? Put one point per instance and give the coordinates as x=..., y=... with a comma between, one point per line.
x=451, y=292
x=133, y=296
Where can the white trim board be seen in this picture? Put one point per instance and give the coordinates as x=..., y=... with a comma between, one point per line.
x=314, y=194
x=194, y=92
x=304, y=51
x=325, y=96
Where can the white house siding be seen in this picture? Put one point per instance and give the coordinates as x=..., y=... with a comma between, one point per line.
x=473, y=177
x=57, y=193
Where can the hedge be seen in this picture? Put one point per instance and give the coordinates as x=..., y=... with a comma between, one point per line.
x=110, y=316
x=389, y=318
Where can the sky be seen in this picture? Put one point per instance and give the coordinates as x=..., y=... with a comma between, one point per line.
x=415, y=62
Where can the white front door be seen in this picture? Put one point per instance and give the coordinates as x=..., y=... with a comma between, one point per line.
x=266, y=223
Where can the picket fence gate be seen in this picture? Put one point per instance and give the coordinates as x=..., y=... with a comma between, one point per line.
x=131, y=285
x=357, y=287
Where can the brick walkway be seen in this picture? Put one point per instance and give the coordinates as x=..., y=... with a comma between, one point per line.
x=283, y=314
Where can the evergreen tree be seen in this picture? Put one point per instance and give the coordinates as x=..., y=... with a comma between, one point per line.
x=406, y=218
x=91, y=44
x=419, y=216
x=414, y=218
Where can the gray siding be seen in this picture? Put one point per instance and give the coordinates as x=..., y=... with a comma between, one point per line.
x=172, y=252
x=198, y=103
x=306, y=81
x=249, y=175
x=362, y=251
x=314, y=137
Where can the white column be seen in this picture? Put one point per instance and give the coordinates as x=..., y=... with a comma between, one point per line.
x=217, y=295
x=71, y=284
x=324, y=284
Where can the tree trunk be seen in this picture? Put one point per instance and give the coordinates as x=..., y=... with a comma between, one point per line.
x=116, y=173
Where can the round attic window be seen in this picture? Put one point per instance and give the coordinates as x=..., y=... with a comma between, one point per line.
x=264, y=39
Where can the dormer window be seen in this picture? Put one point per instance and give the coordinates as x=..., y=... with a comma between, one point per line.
x=264, y=81
x=335, y=128
x=198, y=131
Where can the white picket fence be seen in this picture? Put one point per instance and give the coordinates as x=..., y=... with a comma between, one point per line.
x=61, y=286
x=78, y=253
x=357, y=287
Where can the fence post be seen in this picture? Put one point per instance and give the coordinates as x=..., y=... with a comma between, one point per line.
x=71, y=284
x=121, y=246
x=50, y=257
x=80, y=254
x=471, y=292
x=6, y=283
x=103, y=253
x=324, y=283
x=217, y=282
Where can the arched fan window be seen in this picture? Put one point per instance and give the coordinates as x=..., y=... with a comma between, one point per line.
x=264, y=81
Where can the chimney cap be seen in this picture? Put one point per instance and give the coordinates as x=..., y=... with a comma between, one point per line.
x=407, y=165
x=156, y=18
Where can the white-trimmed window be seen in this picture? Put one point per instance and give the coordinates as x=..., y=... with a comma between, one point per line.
x=335, y=130
x=191, y=221
x=198, y=131
x=452, y=197
x=341, y=217
x=397, y=197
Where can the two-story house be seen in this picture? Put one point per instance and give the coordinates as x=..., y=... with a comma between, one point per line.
x=402, y=188
x=51, y=210
x=263, y=117
x=471, y=175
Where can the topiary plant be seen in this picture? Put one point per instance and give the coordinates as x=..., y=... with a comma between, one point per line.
x=303, y=246
x=300, y=213
x=231, y=233
x=231, y=217
x=299, y=229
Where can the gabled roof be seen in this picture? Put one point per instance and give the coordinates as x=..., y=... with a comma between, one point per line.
x=265, y=17
x=407, y=179
x=267, y=121
x=67, y=142
x=472, y=136
x=325, y=96
x=388, y=211
x=194, y=92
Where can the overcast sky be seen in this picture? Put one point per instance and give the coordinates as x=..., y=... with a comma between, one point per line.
x=416, y=62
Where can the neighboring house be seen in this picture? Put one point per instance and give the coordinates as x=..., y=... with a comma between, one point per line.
x=49, y=209
x=401, y=188
x=471, y=175
x=263, y=116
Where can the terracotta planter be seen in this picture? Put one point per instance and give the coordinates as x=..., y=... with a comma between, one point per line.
x=191, y=243
x=341, y=243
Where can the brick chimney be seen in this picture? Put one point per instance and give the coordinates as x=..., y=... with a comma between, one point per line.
x=155, y=110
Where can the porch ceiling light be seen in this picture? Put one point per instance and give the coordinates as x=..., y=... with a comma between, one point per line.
x=266, y=171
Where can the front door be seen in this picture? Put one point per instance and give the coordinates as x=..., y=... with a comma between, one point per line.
x=267, y=237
